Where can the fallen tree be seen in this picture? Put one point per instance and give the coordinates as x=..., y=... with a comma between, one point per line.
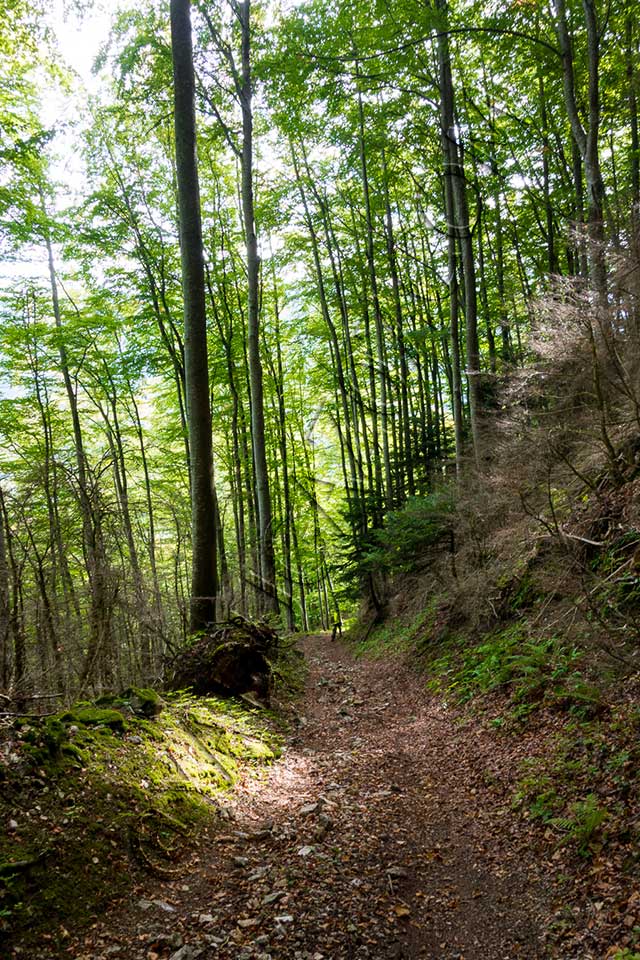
x=233, y=657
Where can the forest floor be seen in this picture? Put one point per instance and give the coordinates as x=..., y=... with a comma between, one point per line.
x=378, y=834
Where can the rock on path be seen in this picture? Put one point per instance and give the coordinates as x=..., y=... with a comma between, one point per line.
x=373, y=837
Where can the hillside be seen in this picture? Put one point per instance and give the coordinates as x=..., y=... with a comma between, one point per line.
x=518, y=603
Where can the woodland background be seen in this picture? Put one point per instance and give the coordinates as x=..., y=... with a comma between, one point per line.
x=423, y=174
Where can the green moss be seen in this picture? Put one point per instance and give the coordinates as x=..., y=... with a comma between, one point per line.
x=44, y=743
x=106, y=700
x=144, y=701
x=257, y=750
x=74, y=752
x=109, y=808
x=95, y=716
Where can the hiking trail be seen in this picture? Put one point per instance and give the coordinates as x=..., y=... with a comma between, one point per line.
x=376, y=835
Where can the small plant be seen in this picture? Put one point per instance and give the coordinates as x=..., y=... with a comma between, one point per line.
x=583, y=824
x=543, y=805
x=583, y=700
x=536, y=790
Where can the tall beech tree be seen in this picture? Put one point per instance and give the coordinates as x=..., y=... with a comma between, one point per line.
x=204, y=580
x=263, y=493
x=241, y=88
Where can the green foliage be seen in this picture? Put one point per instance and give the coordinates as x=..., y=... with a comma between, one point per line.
x=583, y=823
x=506, y=658
x=398, y=635
x=384, y=639
x=519, y=594
x=584, y=786
x=402, y=544
x=577, y=823
x=356, y=340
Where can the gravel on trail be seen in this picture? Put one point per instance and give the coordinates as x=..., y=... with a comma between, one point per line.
x=378, y=834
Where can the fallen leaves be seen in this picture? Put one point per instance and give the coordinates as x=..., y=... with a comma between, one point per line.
x=401, y=910
x=358, y=843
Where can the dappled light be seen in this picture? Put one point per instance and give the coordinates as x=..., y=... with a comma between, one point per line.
x=367, y=838
x=319, y=480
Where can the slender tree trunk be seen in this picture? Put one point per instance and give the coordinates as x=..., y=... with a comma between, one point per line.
x=351, y=479
x=459, y=226
x=286, y=492
x=16, y=623
x=378, y=499
x=5, y=611
x=452, y=254
x=405, y=428
x=632, y=87
x=100, y=654
x=552, y=258
x=377, y=310
x=263, y=493
x=586, y=137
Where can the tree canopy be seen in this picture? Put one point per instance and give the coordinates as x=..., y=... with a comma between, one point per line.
x=383, y=190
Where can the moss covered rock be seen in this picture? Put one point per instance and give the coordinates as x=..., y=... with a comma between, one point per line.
x=112, y=809
x=144, y=701
x=44, y=742
x=94, y=717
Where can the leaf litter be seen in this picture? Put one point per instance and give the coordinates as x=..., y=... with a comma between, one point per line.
x=372, y=837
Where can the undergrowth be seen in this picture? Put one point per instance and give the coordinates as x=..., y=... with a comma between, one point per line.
x=585, y=788
x=532, y=671
x=533, y=580
x=397, y=635
x=107, y=791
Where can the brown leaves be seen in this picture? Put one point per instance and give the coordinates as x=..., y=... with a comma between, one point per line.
x=401, y=910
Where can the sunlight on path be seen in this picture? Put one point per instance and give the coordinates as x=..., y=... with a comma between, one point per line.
x=361, y=842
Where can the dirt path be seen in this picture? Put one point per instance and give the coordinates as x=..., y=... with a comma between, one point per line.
x=370, y=838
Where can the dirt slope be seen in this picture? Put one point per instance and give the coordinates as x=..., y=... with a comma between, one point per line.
x=375, y=836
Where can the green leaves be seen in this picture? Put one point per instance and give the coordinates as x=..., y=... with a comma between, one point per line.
x=403, y=543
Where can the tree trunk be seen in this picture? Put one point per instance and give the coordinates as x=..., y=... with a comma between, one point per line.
x=388, y=493
x=632, y=86
x=263, y=493
x=458, y=218
x=204, y=586
x=586, y=137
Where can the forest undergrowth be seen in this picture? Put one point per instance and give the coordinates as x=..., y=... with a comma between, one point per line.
x=96, y=797
x=274, y=337
x=520, y=604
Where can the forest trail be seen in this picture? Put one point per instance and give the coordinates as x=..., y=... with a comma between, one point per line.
x=373, y=837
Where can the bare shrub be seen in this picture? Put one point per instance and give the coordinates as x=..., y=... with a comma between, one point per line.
x=549, y=528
